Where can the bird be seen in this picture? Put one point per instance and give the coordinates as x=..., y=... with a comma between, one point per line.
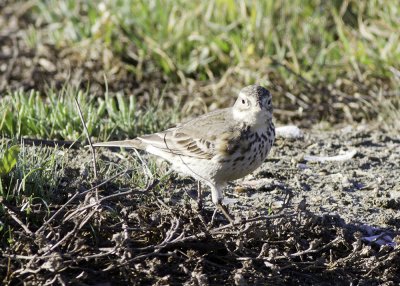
x=216, y=147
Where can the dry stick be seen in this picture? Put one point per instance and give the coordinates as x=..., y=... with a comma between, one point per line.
x=86, y=219
x=245, y=221
x=60, y=280
x=149, y=188
x=300, y=253
x=105, y=182
x=90, y=143
x=23, y=271
x=311, y=250
x=181, y=238
x=149, y=255
x=68, y=235
x=14, y=216
x=25, y=257
x=77, y=194
x=203, y=234
x=113, y=251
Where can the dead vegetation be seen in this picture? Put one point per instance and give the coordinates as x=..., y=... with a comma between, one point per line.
x=111, y=231
x=118, y=239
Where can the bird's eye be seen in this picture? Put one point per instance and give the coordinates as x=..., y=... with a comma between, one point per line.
x=243, y=101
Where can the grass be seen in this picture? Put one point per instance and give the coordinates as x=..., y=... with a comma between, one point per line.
x=44, y=177
x=54, y=115
x=37, y=175
x=332, y=60
x=319, y=40
x=39, y=180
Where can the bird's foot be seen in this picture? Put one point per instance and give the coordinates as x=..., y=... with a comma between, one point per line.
x=225, y=211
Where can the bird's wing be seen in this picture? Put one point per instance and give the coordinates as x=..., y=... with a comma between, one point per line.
x=197, y=138
x=201, y=137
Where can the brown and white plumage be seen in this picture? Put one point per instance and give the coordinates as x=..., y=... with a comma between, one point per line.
x=216, y=147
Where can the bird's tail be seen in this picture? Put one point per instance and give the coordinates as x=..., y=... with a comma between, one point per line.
x=134, y=143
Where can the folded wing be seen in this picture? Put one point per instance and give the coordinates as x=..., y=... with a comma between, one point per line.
x=198, y=138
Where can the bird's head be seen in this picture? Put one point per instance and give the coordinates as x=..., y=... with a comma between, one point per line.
x=253, y=105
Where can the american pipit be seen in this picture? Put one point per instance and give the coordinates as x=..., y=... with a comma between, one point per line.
x=219, y=146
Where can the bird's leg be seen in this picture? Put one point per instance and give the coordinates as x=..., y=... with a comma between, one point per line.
x=217, y=197
x=199, y=196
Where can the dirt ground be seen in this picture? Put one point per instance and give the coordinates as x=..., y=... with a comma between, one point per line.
x=363, y=190
x=358, y=195
x=299, y=222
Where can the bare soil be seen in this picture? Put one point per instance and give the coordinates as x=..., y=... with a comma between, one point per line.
x=364, y=190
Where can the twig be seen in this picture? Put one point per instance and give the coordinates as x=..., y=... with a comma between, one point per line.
x=86, y=219
x=108, y=197
x=98, y=255
x=105, y=182
x=311, y=250
x=150, y=255
x=343, y=157
x=60, y=280
x=181, y=238
x=26, y=257
x=77, y=194
x=57, y=212
x=90, y=143
x=68, y=235
x=258, y=218
x=149, y=188
x=299, y=253
x=17, y=220
x=171, y=232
